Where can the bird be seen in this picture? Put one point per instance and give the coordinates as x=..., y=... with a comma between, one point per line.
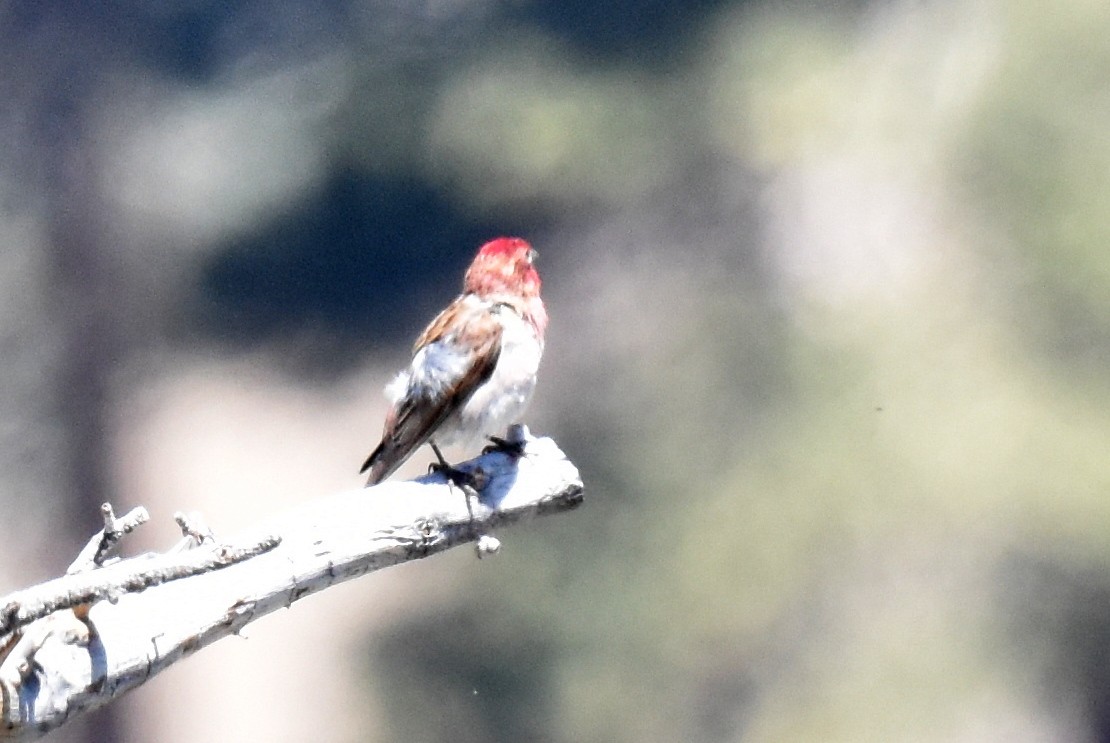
x=473, y=369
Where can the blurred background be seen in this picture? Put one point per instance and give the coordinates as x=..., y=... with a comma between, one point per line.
x=829, y=290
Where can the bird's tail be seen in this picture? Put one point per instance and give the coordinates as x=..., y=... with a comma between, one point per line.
x=404, y=433
x=383, y=462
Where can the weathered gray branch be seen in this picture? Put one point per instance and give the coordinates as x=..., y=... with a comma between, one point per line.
x=134, y=618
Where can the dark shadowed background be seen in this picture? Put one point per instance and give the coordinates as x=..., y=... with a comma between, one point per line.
x=829, y=287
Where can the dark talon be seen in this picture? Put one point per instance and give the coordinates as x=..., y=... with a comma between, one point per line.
x=511, y=448
x=457, y=477
x=470, y=483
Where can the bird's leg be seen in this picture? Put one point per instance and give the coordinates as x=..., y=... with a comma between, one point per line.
x=454, y=475
x=465, y=481
x=443, y=464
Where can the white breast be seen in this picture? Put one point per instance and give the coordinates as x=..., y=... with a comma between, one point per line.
x=504, y=397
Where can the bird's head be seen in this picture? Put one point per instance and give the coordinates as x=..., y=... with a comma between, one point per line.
x=504, y=266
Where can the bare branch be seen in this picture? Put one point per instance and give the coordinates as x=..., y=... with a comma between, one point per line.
x=128, y=576
x=57, y=667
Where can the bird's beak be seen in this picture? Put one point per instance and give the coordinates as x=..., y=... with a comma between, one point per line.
x=533, y=254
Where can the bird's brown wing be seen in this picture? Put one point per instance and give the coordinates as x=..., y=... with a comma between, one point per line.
x=454, y=356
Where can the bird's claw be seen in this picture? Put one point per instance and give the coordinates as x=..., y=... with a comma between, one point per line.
x=513, y=449
x=470, y=482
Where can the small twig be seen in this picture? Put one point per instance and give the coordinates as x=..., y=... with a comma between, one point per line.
x=105, y=543
x=194, y=531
